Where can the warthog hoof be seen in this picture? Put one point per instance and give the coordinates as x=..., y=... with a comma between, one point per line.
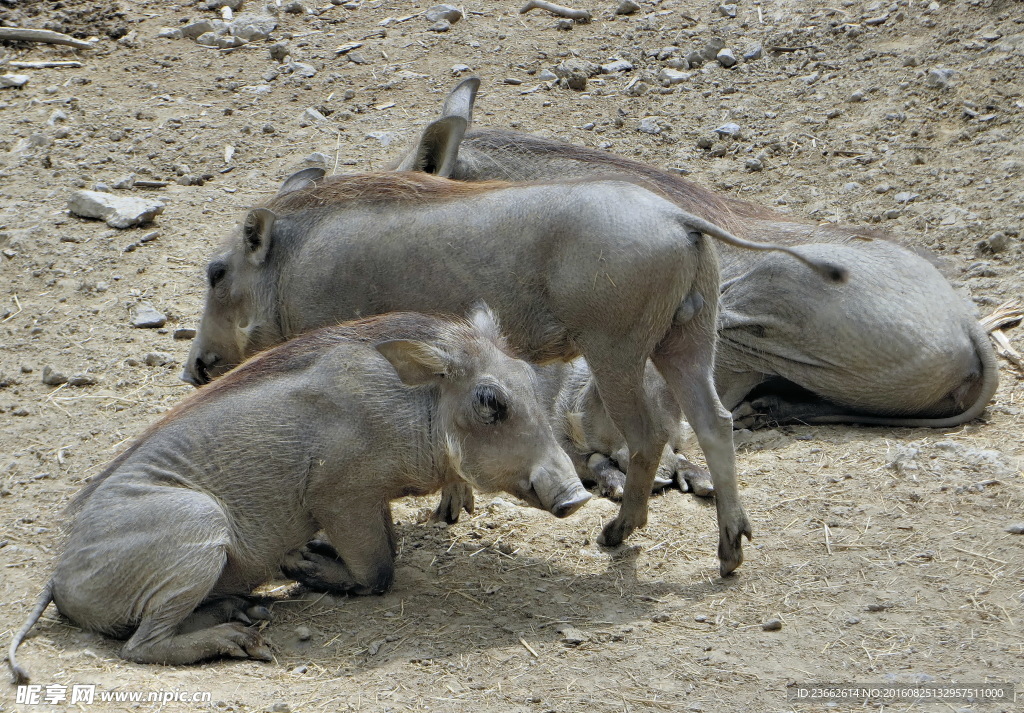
x=730, y=545
x=318, y=567
x=455, y=498
x=693, y=479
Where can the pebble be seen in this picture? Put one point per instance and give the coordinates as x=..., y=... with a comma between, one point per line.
x=661, y=617
x=117, y=211
x=700, y=618
x=754, y=52
x=705, y=142
x=694, y=59
x=184, y=333
x=158, y=359
x=82, y=380
x=669, y=77
x=712, y=48
x=726, y=58
x=571, y=636
x=294, y=8
x=649, y=125
x=853, y=620
x=207, y=39
x=280, y=708
x=312, y=116
x=171, y=33
x=13, y=80
x=564, y=24
x=125, y=182
x=458, y=69
x=146, y=316
x=906, y=197
x=301, y=68
x=443, y=12
x=252, y=27
x=278, y=51
x=52, y=377
x=730, y=129
x=753, y=164
x=772, y=625
x=727, y=10
x=939, y=78
x=857, y=96
x=218, y=4
x=1016, y=529
x=195, y=30
x=546, y=75
x=627, y=7
x=617, y=65
x=303, y=633
x=439, y=26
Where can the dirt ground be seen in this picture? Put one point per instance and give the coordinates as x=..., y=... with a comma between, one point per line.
x=883, y=553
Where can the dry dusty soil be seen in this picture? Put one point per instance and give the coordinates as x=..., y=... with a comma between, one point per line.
x=884, y=554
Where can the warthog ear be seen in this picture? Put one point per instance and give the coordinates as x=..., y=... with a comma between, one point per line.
x=301, y=179
x=416, y=362
x=460, y=101
x=485, y=321
x=438, y=148
x=256, y=234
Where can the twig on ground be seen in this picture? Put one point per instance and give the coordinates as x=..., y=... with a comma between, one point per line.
x=560, y=10
x=22, y=34
x=1006, y=316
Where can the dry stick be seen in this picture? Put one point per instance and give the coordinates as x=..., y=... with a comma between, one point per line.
x=1006, y=316
x=47, y=36
x=56, y=64
x=578, y=15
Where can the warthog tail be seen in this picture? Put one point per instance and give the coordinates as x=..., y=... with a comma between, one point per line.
x=45, y=597
x=829, y=270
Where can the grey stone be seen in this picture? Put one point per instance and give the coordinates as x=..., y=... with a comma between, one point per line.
x=125, y=182
x=301, y=68
x=906, y=197
x=195, y=30
x=754, y=52
x=439, y=26
x=83, y=380
x=726, y=58
x=443, y=12
x=727, y=10
x=117, y=211
x=159, y=359
x=207, y=39
x=218, y=4
x=668, y=76
x=546, y=75
x=649, y=125
x=171, y=33
x=303, y=633
x=627, y=7
x=52, y=377
x=695, y=59
x=279, y=50
x=576, y=66
x=13, y=80
x=564, y=23
x=386, y=138
x=616, y=65
x=226, y=41
x=252, y=27
x=857, y=96
x=939, y=78
x=184, y=333
x=571, y=636
x=458, y=69
x=772, y=625
x=730, y=129
x=712, y=48
x=753, y=164
x=146, y=316
x=294, y=8
x=1016, y=529
x=312, y=116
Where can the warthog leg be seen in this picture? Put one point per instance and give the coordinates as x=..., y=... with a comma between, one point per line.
x=691, y=478
x=222, y=610
x=455, y=497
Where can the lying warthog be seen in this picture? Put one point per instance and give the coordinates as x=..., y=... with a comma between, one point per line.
x=595, y=446
x=894, y=346
x=603, y=269
x=319, y=433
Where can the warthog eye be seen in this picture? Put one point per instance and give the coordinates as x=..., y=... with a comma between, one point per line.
x=215, y=272
x=490, y=404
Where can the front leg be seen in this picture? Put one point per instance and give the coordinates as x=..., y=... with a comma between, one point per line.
x=455, y=497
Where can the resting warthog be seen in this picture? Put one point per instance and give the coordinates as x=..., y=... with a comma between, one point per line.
x=319, y=433
x=894, y=346
x=594, y=444
x=603, y=269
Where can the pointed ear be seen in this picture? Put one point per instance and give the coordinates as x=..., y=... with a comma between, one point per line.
x=460, y=101
x=485, y=321
x=302, y=179
x=438, y=148
x=256, y=235
x=416, y=362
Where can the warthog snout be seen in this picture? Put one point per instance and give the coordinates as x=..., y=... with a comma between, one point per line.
x=198, y=367
x=561, y=495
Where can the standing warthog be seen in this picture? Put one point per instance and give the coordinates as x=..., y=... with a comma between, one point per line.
x=603, y=269
x=319, y=433
x=894, y=346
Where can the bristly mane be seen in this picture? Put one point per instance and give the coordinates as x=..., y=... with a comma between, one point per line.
x=390, y=186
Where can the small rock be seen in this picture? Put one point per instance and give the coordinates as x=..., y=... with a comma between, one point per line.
x=301, y=68
x=1017, y=529
x=705, y=142
x=618, y=65
x=850, y=187
x=218, y=4
x=571, y=636
x=857, y=96
x=52, y=377
x=877, y=607
x=13, y=80
x=727, y=10
x=726, y=58
x=458, y=69
x=669, y=77
x=280, y=708
x=279, y=51
x=82, y=380
x=546, y=75
x=772, y=625
x=939, y=78
x=712, y=48
x=303, y=633
x=207, y=39
x=564, y=24
x=439, y=26
x=754, y=52
x=195, y=30
x=252, y=27
x=627, y=7
x=753, y=165
x=171, y=33
x=661, y=617
x=649, y=125
x=700, y=618
x=294, y=8
x=117, y=211
x=146, y=316
x=124, y=183
x=695, y=59
x=184, y=333
x=997, y=242
x=443, y=12
x=158, y=359
x=906, y=197
x=853, y=620
x=731, y=129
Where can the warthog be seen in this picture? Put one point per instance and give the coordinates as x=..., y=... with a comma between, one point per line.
x=603, y=269
x=894, y=346
x=320, y=433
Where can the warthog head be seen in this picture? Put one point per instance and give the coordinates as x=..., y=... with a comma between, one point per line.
x=491, y=427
